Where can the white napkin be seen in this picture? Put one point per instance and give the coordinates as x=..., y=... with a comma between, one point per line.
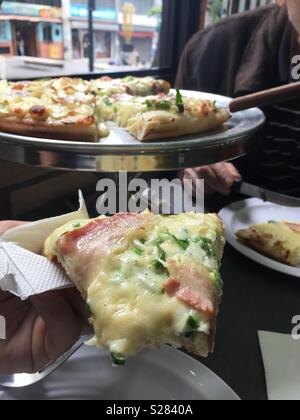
x=32, y=236
x=281, y=356
x=23, y=272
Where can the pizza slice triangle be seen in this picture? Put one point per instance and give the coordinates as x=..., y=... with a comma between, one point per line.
x=164, y=116
x=148, y=280
x=277, y=240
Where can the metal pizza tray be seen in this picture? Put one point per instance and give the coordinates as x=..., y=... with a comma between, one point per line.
x=121, y=152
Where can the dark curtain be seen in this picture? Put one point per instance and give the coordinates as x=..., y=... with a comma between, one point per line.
x=181, y=20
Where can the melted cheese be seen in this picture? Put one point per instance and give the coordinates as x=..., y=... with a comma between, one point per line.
x=64, y=100
x=277, y=239
x=282, y=232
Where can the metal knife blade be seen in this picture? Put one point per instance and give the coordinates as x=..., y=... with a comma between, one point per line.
x=265, y=195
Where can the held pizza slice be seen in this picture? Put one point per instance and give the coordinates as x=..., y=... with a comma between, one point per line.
x=148, y=280
x=277, y=240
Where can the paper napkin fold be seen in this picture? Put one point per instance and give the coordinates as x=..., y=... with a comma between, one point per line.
x=281, y=356
x=25, y=274
x=32, y=236
x=23, y=271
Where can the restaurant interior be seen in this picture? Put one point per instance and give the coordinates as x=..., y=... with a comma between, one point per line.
x=194, y=95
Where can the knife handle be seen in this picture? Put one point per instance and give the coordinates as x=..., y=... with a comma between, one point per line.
x=267, y=97
x=236, y=187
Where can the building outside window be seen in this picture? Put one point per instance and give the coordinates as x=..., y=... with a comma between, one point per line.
x=234, y=6
x=41, y=37
x=216, y=9
x=32, y=29
x=105, y=29
x=146, y=22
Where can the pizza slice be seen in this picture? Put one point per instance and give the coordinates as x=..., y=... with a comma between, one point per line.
x=277, y=240
x=163, y=116
x=134, y=86
x=148, y=280
x=56, y=109
x=119, y=107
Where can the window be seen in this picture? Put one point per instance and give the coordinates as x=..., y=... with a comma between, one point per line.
x=216, y=9
x=102, y=44
x=47, y=33
x=128, y=35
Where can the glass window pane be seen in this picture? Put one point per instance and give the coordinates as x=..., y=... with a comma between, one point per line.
x=217, y=9
x=51, y=37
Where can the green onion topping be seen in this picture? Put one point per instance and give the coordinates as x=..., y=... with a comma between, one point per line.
x=76, y=225
x=179, y=101
x=163, y=105
x=118, y=359
x=137, y=250
x=218, y=279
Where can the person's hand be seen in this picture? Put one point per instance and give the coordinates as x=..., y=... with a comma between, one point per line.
x=218, y=178
x=41, y=329
x=8, y=224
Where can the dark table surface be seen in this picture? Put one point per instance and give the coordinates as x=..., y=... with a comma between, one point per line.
x=255, y=298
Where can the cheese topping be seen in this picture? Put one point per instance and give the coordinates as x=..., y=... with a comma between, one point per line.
x=279, y=240
x=130, y=306
x=282, y=232
x=60, y=100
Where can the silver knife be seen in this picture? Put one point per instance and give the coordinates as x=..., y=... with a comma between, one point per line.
x=265, y=195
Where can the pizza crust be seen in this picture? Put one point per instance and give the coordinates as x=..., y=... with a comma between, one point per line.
x=50, y=131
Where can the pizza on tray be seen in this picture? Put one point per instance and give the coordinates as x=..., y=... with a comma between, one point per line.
x=277, y=240
x=147, y=279
x=77, y=110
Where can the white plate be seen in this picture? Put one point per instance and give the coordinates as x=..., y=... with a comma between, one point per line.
x=167, y=374
x=245, y=213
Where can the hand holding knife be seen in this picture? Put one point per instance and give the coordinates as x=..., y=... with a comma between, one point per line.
x=265, y=195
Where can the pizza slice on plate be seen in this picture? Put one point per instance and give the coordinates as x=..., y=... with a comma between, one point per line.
x=134, y=86
x=74, y=109
x=277, y=240
x=57, y=109
x=148, y=280
x=162, y=116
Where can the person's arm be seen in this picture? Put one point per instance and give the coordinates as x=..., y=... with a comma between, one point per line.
x=9, y=224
